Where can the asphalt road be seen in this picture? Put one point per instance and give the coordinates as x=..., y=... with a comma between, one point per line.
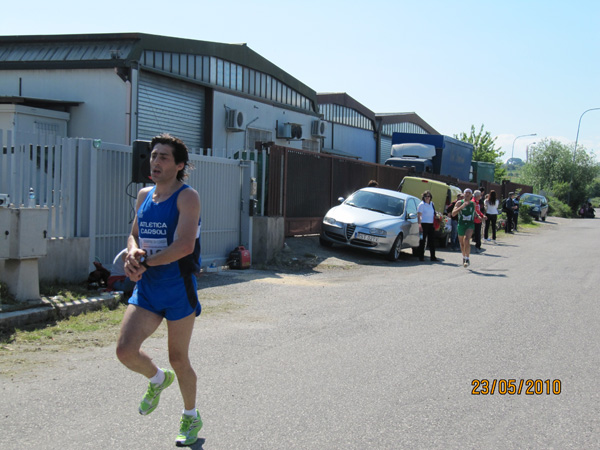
x=369, y=356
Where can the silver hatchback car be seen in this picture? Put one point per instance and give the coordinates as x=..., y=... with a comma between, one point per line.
x=374, y=219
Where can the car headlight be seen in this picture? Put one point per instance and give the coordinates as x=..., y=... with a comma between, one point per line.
x=377, y=232
x=331, y=221
x=536, y=208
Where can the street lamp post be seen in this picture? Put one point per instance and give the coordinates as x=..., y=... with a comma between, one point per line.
x=527, y=151
x=512, y=155
x=575, y=150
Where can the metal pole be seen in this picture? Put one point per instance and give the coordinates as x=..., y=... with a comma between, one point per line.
x=575, y=150
x=512, y=155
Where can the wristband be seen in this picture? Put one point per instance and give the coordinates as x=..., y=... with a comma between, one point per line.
x=144, y=263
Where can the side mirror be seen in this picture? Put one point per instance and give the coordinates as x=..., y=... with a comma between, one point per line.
x=341, y=199
x=412, y=215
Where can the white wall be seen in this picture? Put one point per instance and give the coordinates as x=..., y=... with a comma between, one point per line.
x=103, y=113
x=356, y=141
x=24, y=119
x=257, y=115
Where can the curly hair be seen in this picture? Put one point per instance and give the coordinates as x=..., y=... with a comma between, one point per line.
x=180, y=152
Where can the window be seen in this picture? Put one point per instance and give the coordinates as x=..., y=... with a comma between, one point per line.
x=175, y=63
x=246, y=80
x=239, y=85
x=252, y=89
x=213, y=70
x=226, y=74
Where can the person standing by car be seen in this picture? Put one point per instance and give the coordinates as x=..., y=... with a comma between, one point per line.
x=516, y=211
x=426, y=215
x=479, y=217
x=454, y=223
x=510, y=210
x=491, y=212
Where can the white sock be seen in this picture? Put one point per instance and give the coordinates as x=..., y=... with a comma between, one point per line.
x=190, y=412
x=159, y=378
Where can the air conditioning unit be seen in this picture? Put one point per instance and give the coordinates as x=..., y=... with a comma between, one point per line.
x=296, y=131
x=284, y=130
x=235, y=120
x=318, y=128
x=289, y=131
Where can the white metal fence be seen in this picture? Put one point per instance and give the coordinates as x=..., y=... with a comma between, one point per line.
x=86, y=184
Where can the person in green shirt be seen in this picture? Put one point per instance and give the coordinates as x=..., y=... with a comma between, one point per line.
x=465, y=210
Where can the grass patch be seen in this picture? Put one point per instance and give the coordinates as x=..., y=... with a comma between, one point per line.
x=84, y=327
x=68, y=291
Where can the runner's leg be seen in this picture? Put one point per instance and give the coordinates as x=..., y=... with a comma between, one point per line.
x=180, y=334
x=138, y=324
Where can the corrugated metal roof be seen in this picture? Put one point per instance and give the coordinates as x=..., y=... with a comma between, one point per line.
x=124, y=50
x=65, y=51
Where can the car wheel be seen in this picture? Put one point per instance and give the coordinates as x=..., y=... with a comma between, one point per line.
x=325, y=242
x=394, y=253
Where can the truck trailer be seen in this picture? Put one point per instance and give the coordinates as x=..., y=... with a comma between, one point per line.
x=430, y=153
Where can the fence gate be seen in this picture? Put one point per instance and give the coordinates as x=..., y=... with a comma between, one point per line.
x=223, y=185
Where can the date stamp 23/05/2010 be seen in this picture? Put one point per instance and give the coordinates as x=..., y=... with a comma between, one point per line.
x=513, y=386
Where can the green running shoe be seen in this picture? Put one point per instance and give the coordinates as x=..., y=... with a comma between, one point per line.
x=188, y=430
x=152, y=397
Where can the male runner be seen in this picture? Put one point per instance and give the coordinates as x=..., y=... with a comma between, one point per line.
x=163, y=255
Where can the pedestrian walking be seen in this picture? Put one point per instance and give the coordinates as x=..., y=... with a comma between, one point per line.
x=426, y=215
x=163, y=255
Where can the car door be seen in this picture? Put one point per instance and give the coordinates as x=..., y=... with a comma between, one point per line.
x=411, y=216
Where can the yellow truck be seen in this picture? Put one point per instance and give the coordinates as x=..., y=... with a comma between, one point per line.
x=443, y=194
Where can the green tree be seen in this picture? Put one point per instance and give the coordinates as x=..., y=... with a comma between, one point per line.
x=485, y=150
x=553, y=168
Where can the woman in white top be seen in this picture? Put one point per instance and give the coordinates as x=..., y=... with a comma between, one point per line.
x=491, y=211
x=426, y=214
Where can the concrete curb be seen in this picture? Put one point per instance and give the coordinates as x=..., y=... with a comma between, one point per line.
x=53, y=308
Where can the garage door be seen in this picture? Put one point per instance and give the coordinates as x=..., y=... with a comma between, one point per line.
x=385, y=149
x=167, y=105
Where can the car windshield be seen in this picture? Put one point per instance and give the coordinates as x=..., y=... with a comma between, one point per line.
x=375, y=201
x=531, y=199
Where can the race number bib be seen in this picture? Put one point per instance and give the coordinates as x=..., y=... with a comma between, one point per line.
x=153, y=246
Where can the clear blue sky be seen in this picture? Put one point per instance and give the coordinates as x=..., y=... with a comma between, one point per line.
x=518, y=67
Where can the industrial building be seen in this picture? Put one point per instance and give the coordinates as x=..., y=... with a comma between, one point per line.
x=123, y=87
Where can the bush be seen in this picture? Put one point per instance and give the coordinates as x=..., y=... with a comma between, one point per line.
x=558, y=208
x=524, y=216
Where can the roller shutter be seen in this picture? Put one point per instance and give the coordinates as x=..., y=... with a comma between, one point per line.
x=171, y=106
x=385, y=149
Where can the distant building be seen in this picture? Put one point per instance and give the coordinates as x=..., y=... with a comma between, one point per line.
x=353, y=130
x=127, y=86
x=350, y=128
x=391, y=123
